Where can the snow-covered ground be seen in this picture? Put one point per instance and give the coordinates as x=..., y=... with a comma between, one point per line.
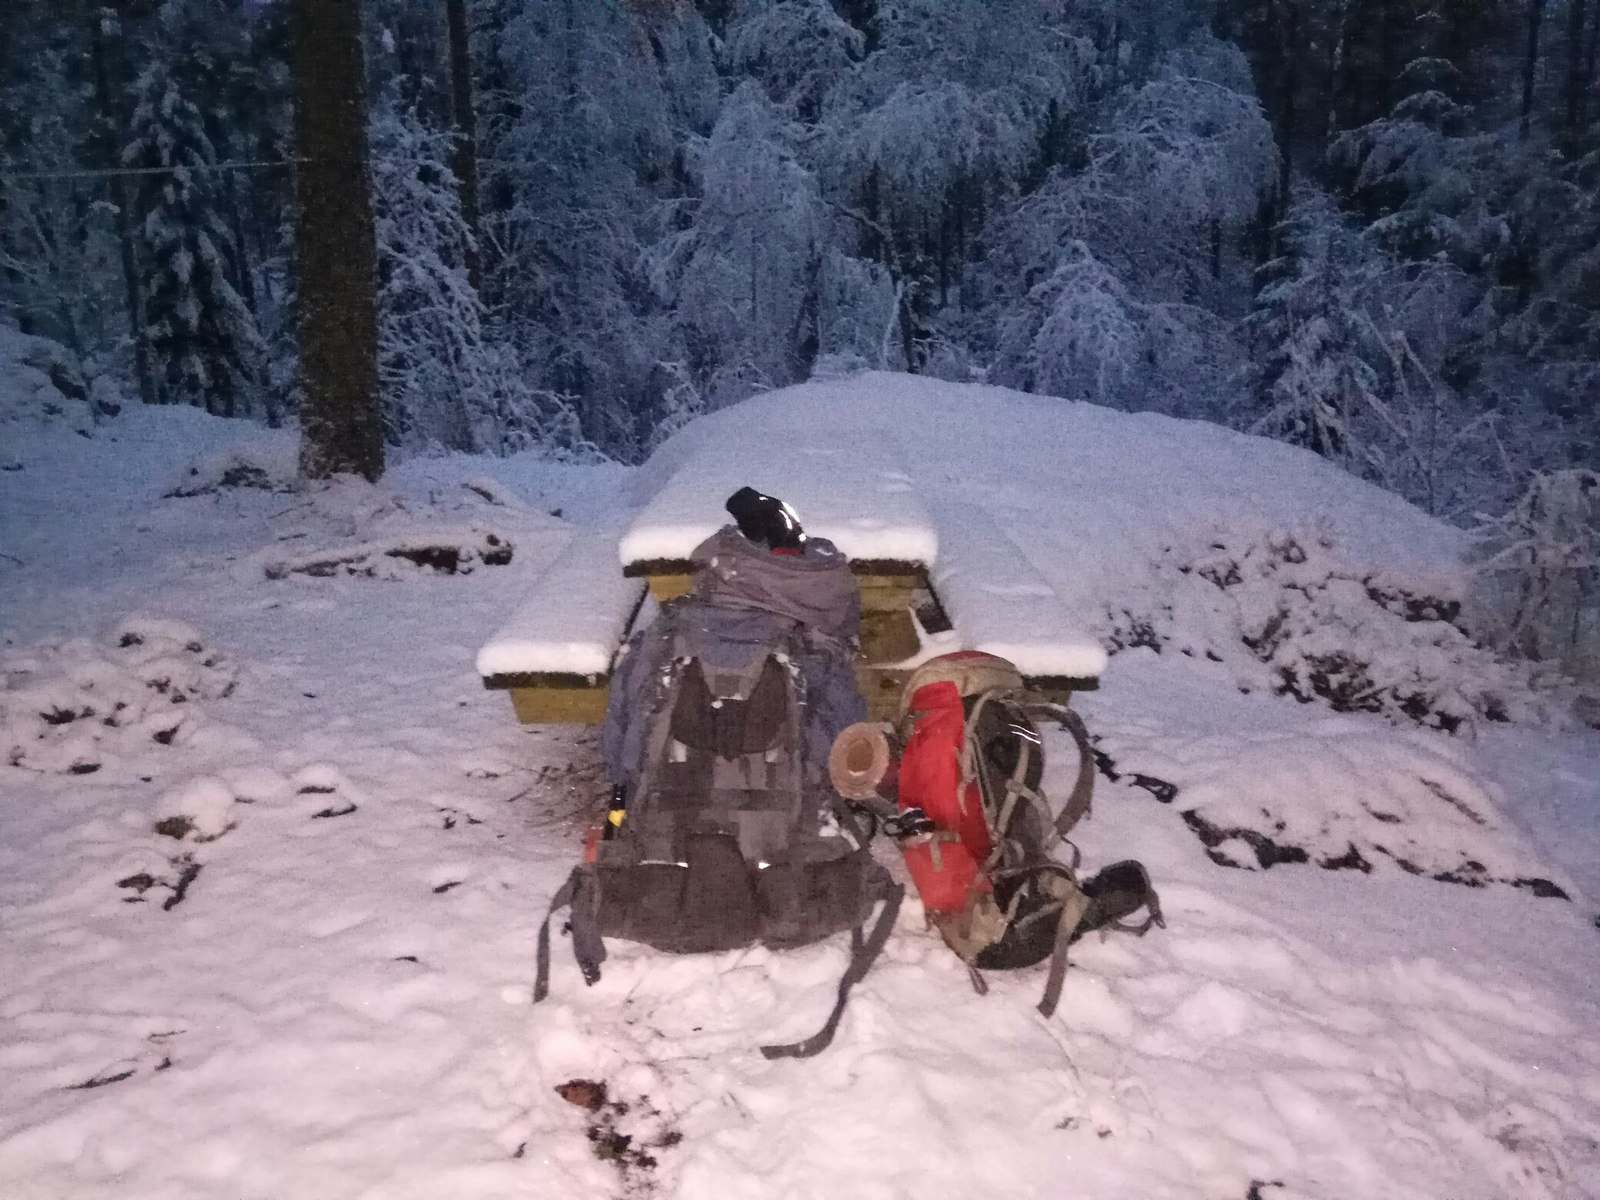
x=268, y=926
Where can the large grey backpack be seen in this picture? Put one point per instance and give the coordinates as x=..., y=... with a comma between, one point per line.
x=725, y=831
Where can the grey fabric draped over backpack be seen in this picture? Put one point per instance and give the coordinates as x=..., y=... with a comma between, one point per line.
x=717, y=731
x=814, y=592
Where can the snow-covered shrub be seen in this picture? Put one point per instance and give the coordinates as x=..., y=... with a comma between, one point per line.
x=40, y=384
x=1285, y=613
x=74, y=707
x=1539, y=580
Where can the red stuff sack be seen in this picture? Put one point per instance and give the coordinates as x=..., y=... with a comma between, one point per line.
x=945, y=867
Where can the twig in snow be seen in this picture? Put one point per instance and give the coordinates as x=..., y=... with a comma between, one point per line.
x=100, y=1081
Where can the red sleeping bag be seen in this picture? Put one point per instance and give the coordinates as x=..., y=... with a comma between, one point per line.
x=944, y=869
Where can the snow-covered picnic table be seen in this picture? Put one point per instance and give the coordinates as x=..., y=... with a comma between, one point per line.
x=848, y=484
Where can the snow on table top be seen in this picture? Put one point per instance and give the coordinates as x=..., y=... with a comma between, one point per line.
x=999, y=603
x=574, y=618
x=847, y=483
x=1092, y=493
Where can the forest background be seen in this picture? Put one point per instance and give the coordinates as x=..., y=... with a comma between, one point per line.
x=1367, y=227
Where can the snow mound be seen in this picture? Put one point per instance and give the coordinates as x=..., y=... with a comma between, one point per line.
x=1086, y=489
x=269, y=466
x=1069, y=512
x=1261, y=784
x=350, y=529
x=201, y=809
x=322, y=791
x=40, y=385
x=70, y=708
x=1286, y=612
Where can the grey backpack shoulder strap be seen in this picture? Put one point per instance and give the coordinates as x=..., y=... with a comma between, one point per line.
x=863, y=953
x=578, y=892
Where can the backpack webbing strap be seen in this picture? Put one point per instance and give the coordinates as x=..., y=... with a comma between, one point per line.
x=587, y=946
x=1072, y=911
x=1079, y=799
x=655, y=746
x=863, y=954
x=1082, y=795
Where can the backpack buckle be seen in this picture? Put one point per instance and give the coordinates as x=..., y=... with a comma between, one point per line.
x=909, y=823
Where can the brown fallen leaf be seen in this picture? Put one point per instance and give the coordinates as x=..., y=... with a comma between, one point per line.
x=585, y=1093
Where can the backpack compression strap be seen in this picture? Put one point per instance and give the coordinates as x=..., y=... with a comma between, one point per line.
x=1073, y=907
x=1104, y=902
x=1078, y=800
x=587, y=946
x=1082, y=794
x=862, y=955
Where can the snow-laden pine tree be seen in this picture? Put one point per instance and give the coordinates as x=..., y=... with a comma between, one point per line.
x=203, y=338
x=430, y=319
x=1119, y=260
x=744, y=277
x=58, y=248
x=449, y=378
x=1316, y=380
x=584, y=137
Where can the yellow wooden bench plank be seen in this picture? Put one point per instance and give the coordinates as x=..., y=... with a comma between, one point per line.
x=553, y=705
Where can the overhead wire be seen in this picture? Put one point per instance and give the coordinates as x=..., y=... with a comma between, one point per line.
x=20, y=173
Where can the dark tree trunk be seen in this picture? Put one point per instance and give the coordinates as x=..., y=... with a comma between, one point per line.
x=1577, y=12
x=1530, y=63
x=1290, y=108
x=336, y=255
x=466, y=152
x=1391, y=41
x=863, y=15
x=1591, y=61
x=109, y=136
x=1339, y=48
